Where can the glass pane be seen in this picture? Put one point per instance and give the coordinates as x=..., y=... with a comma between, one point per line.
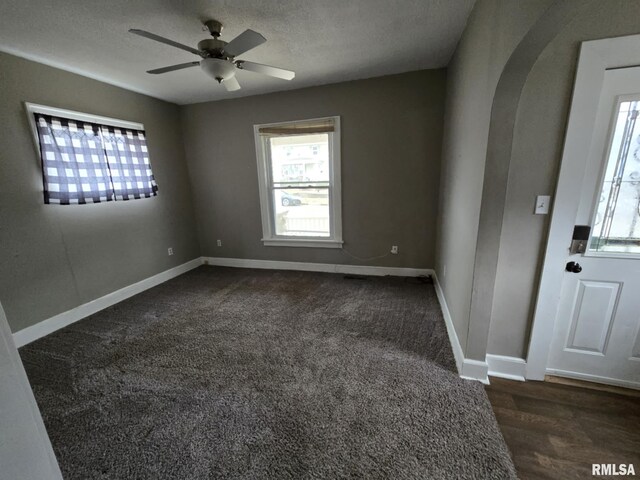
x=617, y=224
x=302, y=212
x=300, y=158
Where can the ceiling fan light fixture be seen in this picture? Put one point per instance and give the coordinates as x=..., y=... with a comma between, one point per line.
x=218, y=68
x=219, y=57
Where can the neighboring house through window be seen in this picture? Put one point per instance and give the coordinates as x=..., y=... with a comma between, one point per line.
x=90, y=159
x=299, y=175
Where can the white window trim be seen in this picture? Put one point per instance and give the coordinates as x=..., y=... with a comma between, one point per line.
x=32, y=108
x=269, y=237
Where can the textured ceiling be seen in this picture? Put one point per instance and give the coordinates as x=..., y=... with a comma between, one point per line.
x=323, y=41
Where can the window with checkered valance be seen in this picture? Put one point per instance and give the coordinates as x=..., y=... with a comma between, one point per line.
x=85, y=162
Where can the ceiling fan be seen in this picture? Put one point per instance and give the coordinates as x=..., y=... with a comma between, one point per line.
x=219, y=57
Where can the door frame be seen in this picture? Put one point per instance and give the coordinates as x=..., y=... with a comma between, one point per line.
x=596, y=56
x=28, y=453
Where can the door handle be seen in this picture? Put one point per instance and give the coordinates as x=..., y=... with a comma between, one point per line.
x=573, y=267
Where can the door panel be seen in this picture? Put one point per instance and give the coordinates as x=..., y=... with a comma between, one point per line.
x=593, y=314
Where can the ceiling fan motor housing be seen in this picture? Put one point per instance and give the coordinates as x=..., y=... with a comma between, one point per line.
x=213, y=47
x=218, y=68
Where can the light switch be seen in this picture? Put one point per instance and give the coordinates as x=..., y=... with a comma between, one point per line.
x=542, y=204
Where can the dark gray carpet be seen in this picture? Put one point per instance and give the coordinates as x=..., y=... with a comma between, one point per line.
x=231, y=373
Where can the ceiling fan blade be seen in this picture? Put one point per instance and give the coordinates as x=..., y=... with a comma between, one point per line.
x=231, y=84
x=173, y=67
x=166, y=41
x=243, y=43
x=266, y=70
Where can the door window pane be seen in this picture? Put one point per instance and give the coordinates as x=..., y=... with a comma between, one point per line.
x=617, y=223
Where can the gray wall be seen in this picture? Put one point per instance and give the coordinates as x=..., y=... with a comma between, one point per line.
x=25, y=449
x=391, y=138
x=54, y=258
x=493, y=31
x=534, y=165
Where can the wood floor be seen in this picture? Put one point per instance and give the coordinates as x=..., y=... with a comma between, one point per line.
x=557, y=431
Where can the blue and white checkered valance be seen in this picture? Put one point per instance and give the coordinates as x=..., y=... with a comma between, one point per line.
x=85, y=162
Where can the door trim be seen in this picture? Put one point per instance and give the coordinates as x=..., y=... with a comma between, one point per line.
x=595, y=58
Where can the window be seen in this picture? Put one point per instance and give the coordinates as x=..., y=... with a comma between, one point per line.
x=299, y=174
x=616, y=226
x=90, y=159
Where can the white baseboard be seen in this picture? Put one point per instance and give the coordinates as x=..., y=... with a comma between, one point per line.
x=594, y=378
x=475, y=370
x=316, y=267
x=502, y=366
x=50, y=325
x=451, y=330
x=467, y=368
x=63, y=319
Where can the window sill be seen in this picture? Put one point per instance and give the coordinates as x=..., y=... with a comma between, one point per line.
x=303, y=242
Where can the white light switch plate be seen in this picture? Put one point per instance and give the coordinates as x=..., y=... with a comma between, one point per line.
x=542, y=204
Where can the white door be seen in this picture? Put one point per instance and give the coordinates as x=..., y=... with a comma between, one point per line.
x=597, y=330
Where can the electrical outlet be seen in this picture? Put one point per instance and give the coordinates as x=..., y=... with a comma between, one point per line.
x=219, y=243
x=394, y=249
x=170, y=250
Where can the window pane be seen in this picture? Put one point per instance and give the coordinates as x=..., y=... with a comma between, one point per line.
x=73, y=162
x=301, y=212
x=617, y=224
x=128, y=160
x=300, y=158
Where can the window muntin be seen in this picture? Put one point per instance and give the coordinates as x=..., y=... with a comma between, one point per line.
x=89, y=162
x=299, y=171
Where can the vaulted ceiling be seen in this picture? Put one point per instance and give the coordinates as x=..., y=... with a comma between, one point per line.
x=323, y=41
